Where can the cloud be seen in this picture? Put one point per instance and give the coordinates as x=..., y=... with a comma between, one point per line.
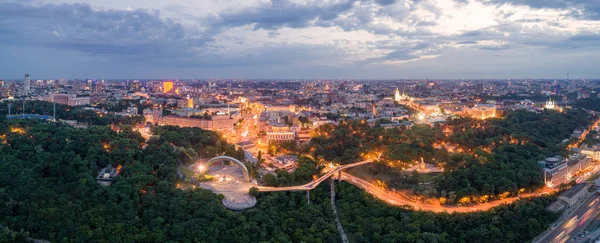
x=140, y=32
x=590, y=8
x=585, y=38
x=281, y=13
x=337, y=34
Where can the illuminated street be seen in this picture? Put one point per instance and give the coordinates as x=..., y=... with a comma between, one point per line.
x=573, y=222
x=397, y=199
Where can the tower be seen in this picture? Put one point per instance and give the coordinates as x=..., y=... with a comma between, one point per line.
x=26, y=85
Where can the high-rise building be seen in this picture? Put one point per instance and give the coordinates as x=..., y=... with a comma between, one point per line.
x=479, y=87
x=167, y=86
x=26, y=85
x=97, y=86
x=136, y=85
x=190, y=102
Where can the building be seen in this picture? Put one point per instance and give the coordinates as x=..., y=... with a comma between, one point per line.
x=550, y=104
x=245, y=145
x=557, y=170
x=425, y=168
x=167, y=86
x=592, y=152
x=319, y=123
x=70, y=99
x=406, y=124
x=218, y=123
x=554, y=171
x=153, y=115
x=574, y=194
x=280, y=134
x=106, y=175
x=190, y=102
x=400, y=97
x=26, y=85
x=570, y=197
x=482, y=111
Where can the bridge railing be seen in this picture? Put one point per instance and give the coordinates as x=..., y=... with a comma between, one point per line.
x=313, y=184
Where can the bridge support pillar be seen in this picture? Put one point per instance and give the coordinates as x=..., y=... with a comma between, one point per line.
x=339, y=176
x=308, y=197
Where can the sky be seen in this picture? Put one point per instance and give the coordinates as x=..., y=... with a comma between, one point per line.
x=300, y=39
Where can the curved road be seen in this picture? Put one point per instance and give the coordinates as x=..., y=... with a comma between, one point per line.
x=398, y=200
x=394, y=198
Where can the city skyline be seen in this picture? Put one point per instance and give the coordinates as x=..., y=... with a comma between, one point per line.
x=378, y=39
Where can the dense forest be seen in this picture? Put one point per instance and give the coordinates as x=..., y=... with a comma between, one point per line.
x=307, y=167
x=505, y=152
x=48, y=191
x=194, y=143
x=482, y=159
x=589, y=103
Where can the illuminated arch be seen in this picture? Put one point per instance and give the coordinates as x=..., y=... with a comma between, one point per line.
x=227, y=158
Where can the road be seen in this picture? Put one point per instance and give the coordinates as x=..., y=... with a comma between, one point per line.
x=584, y=134
x=397, y=199
x=394, y=198
x=574, y=222
x=311, y=185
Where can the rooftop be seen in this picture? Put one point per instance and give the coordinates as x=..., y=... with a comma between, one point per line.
x=574, y=190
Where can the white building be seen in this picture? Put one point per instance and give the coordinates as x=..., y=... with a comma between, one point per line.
x=279, y=134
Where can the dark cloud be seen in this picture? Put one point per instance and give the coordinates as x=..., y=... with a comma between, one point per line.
x=585, y=38
x=397, y=55
x=385, y=2
x=78, y=27
x=580, y=41
x=284, y=13
x=591, y=7
x=495, y=48
x=471, y=33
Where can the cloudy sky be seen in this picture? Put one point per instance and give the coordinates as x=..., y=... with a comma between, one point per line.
x=363, y=39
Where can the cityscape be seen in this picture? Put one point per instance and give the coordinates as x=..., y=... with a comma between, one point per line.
x=428, y=142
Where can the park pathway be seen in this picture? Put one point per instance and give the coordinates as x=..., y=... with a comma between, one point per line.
x=337, y=219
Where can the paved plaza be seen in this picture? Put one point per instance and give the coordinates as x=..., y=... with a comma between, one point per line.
x=231, y=184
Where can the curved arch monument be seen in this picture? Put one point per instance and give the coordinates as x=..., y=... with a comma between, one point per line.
x=234, y=160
